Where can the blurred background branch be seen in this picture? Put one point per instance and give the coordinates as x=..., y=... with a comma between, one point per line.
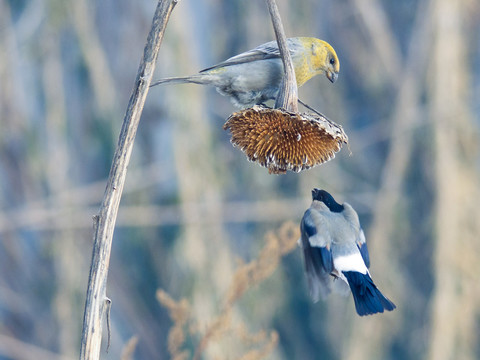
x=406, y=95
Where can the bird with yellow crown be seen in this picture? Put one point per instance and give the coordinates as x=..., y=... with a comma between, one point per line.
x=255, y=76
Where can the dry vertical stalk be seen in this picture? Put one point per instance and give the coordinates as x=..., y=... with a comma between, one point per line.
x=104, y=223
x=287, y=97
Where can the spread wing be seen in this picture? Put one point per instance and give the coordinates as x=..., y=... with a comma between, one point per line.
x=352, y=216
x=362, y=246
x=316, y=244
x=265, y=51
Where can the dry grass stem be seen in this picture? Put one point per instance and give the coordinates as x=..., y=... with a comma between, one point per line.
x=280, y=140
x=129, y=348
x=217, y=329
x=257, y=270
x=264, y=351
x=179, y=312
x=248, y=338
x=222, y=326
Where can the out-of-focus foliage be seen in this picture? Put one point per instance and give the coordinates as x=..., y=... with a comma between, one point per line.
x=407, y=97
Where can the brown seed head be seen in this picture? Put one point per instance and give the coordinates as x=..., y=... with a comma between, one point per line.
x=281, y=141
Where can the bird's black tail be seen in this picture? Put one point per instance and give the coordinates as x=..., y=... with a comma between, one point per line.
x=368, y=299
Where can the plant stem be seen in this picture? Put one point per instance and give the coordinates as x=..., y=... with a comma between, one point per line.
x=104, y=223
x=287, y=97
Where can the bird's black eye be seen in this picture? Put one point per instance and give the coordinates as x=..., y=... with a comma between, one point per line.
x=332, y=61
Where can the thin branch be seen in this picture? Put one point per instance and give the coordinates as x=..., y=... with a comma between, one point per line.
x=311, y=109
x=108, y=306
x=287, y=97
x=105, y=222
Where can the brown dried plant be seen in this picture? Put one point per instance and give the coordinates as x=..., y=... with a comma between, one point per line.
x=247, y=275
x=129, y=348
x=179, y=312
x=264, y=351
x=281, y=140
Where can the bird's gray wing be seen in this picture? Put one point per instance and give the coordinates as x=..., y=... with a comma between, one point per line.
x=362, y=246
x=352, y=216
x=265, y=51
x=316, y=244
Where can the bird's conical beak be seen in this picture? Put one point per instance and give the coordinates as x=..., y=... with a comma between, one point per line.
x=332, y=76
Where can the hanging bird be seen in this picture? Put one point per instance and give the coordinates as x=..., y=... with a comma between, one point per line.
x=255, y=76
x=336, y=253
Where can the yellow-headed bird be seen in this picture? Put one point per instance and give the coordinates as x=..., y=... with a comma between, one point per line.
x=254, y=76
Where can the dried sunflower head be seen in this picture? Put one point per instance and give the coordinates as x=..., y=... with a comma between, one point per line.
x=281, y=141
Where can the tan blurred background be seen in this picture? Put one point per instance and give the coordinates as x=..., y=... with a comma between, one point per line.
x=408, y=96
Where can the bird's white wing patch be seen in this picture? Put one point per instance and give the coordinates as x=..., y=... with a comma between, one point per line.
x=350, y=262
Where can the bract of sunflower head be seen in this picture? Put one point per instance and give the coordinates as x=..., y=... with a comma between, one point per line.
x=280, y=140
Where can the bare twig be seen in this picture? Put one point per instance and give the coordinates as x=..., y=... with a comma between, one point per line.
x=104, y=223
x=311, y=109
x=129, y=348
x=108, y=307
x=288, y=95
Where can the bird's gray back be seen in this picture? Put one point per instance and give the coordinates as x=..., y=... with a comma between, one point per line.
x=342, y=231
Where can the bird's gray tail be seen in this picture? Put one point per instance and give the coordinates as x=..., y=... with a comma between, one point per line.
x=195, y=79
